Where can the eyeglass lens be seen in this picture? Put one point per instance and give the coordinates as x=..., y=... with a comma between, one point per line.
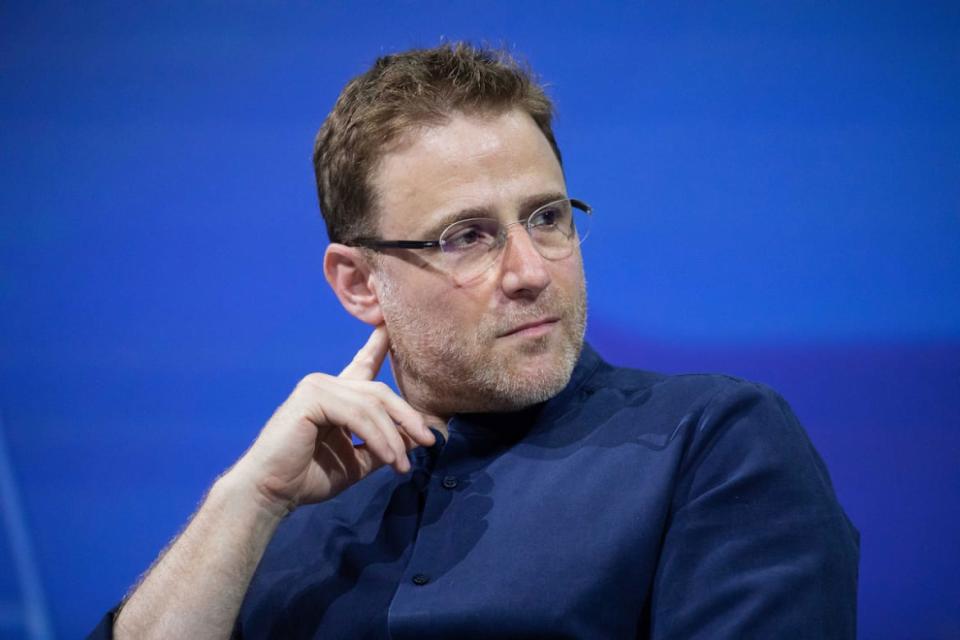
x=471, y=246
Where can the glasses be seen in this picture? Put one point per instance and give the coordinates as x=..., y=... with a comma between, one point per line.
x=471, y=246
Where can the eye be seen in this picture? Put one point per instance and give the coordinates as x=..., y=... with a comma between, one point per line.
x=552, y=216
x=469, y=235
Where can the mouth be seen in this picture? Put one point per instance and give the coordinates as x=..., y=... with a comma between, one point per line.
x=533, y=329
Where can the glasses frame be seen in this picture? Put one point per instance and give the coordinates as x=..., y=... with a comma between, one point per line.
x=377, y=244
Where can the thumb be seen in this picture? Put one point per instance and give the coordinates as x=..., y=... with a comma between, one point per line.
x=366, y=364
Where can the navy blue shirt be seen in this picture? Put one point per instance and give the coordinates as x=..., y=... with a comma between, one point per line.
x=631, y=505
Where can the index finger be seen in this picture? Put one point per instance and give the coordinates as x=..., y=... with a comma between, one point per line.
x=366, y=364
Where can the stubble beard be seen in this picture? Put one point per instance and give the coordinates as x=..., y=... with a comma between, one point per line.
x=447, y=369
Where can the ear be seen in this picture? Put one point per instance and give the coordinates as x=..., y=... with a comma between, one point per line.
x=350, y=276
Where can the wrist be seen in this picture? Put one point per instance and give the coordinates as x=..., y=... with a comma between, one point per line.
x=239, y=489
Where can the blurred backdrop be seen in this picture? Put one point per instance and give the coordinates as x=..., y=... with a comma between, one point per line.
x=777, y=196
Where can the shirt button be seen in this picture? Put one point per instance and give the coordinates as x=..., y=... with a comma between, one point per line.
x=420, y=579
x=449, y=482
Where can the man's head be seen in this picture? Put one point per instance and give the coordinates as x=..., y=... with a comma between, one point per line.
x=470, y=138
x=399, y=94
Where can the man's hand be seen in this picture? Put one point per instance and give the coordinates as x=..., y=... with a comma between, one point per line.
x=305, y=453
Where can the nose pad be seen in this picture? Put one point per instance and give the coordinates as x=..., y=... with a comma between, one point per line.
x=521, y=229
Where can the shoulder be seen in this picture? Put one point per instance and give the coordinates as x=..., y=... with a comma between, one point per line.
x=683, y=390
x=699, y=401
x=750, y=512
x=701, y=417
x=723, y=433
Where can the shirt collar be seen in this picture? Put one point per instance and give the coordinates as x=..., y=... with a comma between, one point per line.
x=515, y=424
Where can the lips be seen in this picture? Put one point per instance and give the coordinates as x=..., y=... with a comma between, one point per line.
x=533, y=327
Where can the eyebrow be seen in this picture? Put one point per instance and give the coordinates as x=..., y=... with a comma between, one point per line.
x=527, y=206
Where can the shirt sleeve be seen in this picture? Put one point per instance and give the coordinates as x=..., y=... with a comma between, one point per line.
x=757, y=545
x=104, y=630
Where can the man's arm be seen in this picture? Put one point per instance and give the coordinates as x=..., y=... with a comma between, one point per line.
x=195, y=588
x=757, y=545
x=304, y=454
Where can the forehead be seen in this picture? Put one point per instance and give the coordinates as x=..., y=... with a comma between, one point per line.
x=490, y=162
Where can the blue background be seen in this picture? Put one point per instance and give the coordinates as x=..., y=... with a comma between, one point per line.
x=777, y=196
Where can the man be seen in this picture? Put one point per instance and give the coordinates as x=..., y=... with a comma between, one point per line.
x=533, y=491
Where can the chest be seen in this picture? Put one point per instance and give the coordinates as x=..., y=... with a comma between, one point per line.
x=528, y=542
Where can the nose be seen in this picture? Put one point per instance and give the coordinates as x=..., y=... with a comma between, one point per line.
x=523, y=271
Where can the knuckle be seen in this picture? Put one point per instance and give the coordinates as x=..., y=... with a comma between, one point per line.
x=375, y=437
x=364, y=360
x=313, y=380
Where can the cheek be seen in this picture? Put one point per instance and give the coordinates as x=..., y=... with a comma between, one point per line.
x=568, y=273
x=432, y=300
x=464, y=308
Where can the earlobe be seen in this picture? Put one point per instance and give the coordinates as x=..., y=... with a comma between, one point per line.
x=349, y=274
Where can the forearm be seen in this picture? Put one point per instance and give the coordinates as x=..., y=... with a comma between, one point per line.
x=304, y=454
x=195, y=589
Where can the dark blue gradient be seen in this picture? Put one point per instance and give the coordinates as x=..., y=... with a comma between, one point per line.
x=776, y=189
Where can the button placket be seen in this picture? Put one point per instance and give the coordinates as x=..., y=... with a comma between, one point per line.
x=421, y=571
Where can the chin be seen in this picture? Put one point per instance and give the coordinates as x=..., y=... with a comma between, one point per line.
x=527, y=378
x=443, y=372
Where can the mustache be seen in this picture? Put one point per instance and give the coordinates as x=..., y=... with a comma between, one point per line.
x=556, y=307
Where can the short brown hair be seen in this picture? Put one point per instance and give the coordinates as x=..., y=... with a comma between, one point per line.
x=401, y=91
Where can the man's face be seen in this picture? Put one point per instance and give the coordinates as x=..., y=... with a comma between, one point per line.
x=460, y=347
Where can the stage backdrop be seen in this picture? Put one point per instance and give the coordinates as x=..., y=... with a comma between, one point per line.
x=776, y=188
